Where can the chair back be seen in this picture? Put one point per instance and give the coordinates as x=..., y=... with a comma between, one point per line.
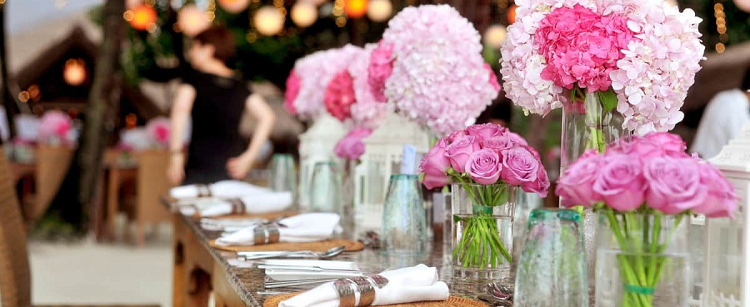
x=152, y=184
x=52, y=166
x=15, y=276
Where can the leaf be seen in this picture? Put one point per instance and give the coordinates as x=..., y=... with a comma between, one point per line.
x=609, y=100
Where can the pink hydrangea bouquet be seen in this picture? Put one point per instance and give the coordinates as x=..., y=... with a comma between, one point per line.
x=55, y=128
x=158, y=132
x=485, y=160
x=632, y=185
x=638, y=57
x=429, y=67
x=307, y=83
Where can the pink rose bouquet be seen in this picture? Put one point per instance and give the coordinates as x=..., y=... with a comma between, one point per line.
x=639, y=57
x=650, y=176
x=429, y=66
x=55, y=127
x=485, y=160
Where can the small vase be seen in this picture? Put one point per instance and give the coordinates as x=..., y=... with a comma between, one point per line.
x=587, y=125
x=642, y=260
x=404, y=229
x=483, y=232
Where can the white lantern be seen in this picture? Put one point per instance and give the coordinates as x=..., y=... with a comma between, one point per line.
x=268, y=20
x=494, y=36
x=316, y=145
x=727, y=253
x=383, y=155
x=304, y=14
x=379, y=10
x=74, y=72
x=192, y=20
x=743, y=5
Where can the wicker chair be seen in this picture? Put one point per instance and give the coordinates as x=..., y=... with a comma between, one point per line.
x=15, y=276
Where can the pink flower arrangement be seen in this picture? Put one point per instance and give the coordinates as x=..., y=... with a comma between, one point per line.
x=339, y=96
x=158, y=131
x=292, y=90
x=351, y=146
x=484, y=154
x=315, y=72
x=55, y=127
x=645, y=52
x=648, y=173
x=429, y=66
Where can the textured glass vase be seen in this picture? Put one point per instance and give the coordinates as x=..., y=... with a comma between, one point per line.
x=482, y=245
x=325, y=189
x=552, y=265
x=404, y=229
x=586, y=125
x=642, y=260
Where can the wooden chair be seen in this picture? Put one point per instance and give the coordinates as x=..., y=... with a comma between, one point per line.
x=151, y=184
x=52, y=166
x=15, y=275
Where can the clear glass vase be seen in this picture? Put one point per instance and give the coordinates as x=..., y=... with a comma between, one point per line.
x=404, y=229
x=552, y=264
x=587, y=125
x=483, y=232
x=283, y=176
x=325, y=189
x=642, y=260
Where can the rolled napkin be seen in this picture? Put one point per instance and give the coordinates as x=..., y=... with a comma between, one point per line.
x=221, y=189
x=252, y=204
x=309, y=227
x=413, y=284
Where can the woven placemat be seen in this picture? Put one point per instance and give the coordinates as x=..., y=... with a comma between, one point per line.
x=322, y=246
x=452, y=301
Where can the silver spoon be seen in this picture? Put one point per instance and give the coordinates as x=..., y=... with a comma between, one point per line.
x=300, y=254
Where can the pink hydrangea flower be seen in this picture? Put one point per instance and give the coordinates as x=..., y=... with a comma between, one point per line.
x=158, y=131
x=292, y=90
x=339, y=96
x=54, y=125
x=380, y=69
x=351, y=146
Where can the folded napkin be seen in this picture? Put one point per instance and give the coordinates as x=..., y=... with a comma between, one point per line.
x=309, y=227
x=407, y=285
x=252, y=204
x=221, y=189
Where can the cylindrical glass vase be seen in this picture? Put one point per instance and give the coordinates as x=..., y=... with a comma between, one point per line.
x=642, y=260
x=586, y=124
x=483, y=232
x=404, y=229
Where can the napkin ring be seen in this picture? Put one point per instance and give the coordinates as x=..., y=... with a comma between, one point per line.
x=266, y=234
x=238, y=206
x=203, y=190
x=364, y=285
x=365, y=289
x=345, y=292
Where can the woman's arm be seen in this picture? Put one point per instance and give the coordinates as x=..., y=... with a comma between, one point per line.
x=183, y=104
x=259, y=109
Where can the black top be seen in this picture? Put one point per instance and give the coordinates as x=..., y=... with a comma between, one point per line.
x=217, y=110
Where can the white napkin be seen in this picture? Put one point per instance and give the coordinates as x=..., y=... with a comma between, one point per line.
x=407, y=285
x=309, y=227
x=221, y=189
x=254, y=204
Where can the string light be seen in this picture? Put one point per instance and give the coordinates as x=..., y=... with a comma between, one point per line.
x=192, y=20
x=338, y=13
x=494, y=36
x=74, y=72
x=379, y=10
x=234, y=6
x=721, y=26
x=355, y=8
x=211, y=10
x=141, y=17
x=23, y=96
x=512, y=14
x=268, y=20
x=304, y=14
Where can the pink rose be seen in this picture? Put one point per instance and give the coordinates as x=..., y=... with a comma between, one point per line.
x=667, y=143
x=520, y=166
x=381, y=68
x=486, y=131
x=674, y=184
x=351, y=146
x=499, y=143
x=455, y=136
x=459, y=151
x=722, y=199
x=293, y=85
x=434, y=166
x=621, y=182
x=484, y=166
x=540, y=185
x=575, y=186
x=516, y=138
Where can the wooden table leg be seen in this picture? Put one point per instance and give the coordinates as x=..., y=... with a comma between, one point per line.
x=113, y=195
x=224, y=294
x=193, y=266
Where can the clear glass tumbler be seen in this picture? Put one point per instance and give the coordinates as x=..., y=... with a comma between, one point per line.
x=404, y=227
x=325, y=189
x=283, y=174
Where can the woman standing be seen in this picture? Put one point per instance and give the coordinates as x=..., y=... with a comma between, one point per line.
x=215, y=99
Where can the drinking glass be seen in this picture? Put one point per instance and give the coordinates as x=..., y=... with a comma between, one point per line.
x=552, y=268
x=404, y=227
x=325, y=188
x=283, y=174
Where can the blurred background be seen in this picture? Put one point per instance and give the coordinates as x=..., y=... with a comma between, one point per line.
x=87, y=87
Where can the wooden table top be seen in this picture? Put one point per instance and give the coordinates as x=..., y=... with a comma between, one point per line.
x=249, y=282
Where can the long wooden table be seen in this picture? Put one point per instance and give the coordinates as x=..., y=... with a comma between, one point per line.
x=200, y=269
